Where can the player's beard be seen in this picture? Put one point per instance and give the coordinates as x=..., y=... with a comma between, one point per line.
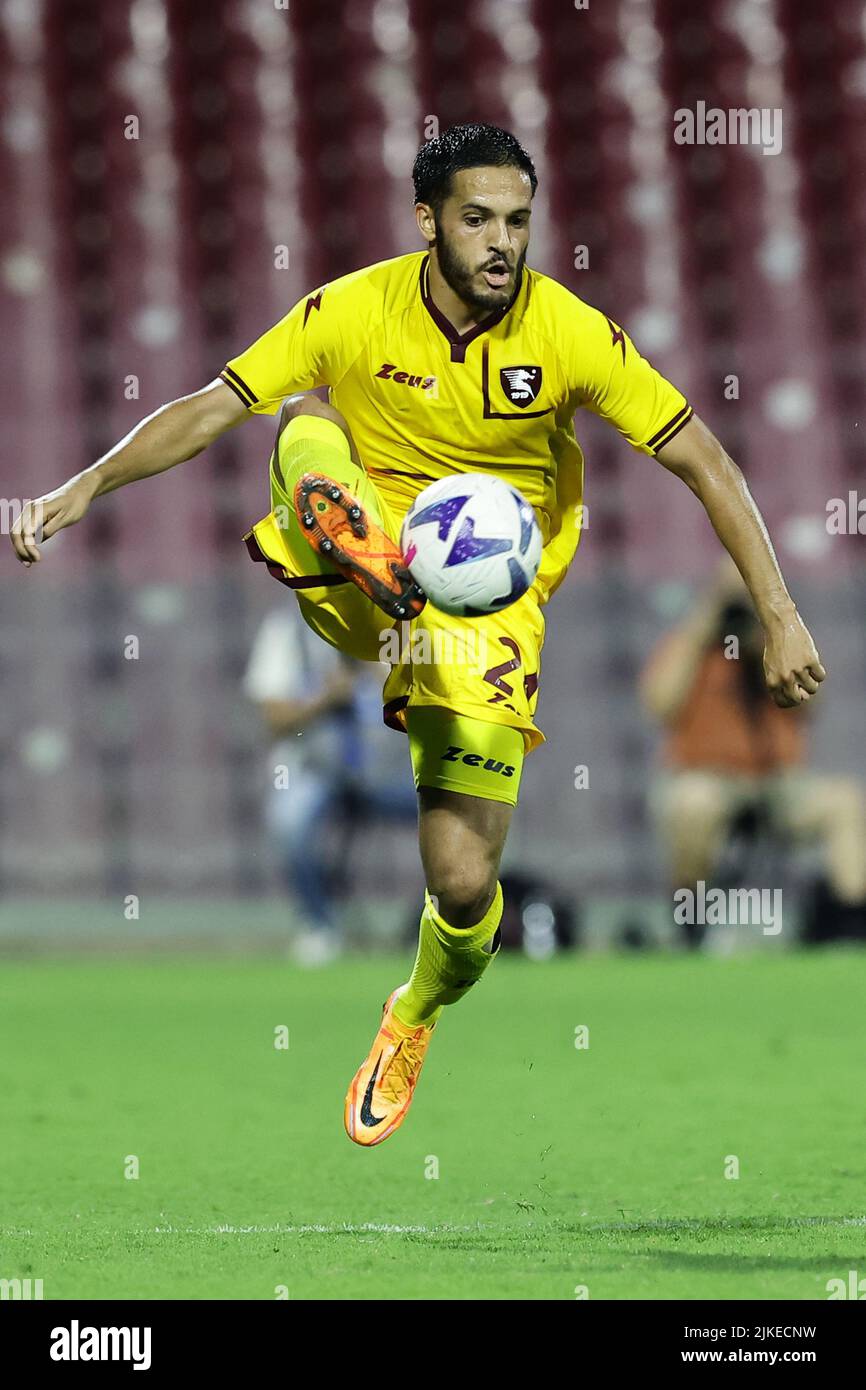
x=465, y=281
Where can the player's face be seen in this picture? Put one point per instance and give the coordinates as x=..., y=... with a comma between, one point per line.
x=482, y=232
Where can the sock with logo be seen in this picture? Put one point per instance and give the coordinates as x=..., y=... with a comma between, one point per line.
x=449, y=962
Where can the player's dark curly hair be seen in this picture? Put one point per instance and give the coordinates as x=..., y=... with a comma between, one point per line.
x=465, y=147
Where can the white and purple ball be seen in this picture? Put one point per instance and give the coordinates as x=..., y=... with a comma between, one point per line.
x=472, y=543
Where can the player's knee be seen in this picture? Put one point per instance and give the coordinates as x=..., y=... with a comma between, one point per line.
x=463, y=893
x=296, y=407
x=305, y=404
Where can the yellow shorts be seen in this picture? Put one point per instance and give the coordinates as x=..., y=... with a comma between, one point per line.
x=484, y=668
x=456, y=753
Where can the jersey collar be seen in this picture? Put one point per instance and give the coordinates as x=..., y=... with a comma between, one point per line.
x=459, y=341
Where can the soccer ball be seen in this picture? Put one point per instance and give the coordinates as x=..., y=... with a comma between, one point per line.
x=472, y=543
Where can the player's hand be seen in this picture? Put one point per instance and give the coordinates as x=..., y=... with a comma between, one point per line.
x=47, y=515
x=792, y=666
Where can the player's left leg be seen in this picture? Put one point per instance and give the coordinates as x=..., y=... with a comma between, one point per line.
x=465, y=692
x=465, y=810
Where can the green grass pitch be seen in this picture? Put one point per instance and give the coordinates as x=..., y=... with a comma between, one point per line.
x=559, y=1168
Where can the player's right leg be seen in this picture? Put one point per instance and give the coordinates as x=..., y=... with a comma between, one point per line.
x=328, y=512
x=313, y=436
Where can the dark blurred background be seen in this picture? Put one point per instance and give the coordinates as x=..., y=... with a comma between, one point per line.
x=175, y=176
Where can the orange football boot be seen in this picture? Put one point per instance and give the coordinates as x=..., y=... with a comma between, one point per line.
x=337, y=527
x=382, y=1088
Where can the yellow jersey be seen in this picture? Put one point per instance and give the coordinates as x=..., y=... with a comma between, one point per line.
x=424, y=401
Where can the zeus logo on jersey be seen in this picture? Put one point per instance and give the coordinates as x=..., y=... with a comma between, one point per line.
x=521, y=384
x=453, y=753
x=389, y=371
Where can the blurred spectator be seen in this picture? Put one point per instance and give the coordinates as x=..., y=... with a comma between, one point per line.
x=734, y=760
x=329, y=767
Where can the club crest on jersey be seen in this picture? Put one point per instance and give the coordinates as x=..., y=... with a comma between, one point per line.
x=428, y=384
x=521, y=384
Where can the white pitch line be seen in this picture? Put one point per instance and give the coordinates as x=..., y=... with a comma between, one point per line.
x=379, y=1228
x=318, y=1228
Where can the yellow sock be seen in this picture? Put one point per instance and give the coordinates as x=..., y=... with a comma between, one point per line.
x=312, y=444
x=449, y=962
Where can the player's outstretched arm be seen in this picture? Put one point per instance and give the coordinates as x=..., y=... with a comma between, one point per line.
x=174, y=433
x=792, y=665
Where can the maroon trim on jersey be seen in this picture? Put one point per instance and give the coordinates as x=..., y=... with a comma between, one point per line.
x=400, y=473
x=390, y=711
x=500, y=414
x=239, y=386
x=459, y=341
x=314, y=302
x=300, y=581
x=661, y=437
